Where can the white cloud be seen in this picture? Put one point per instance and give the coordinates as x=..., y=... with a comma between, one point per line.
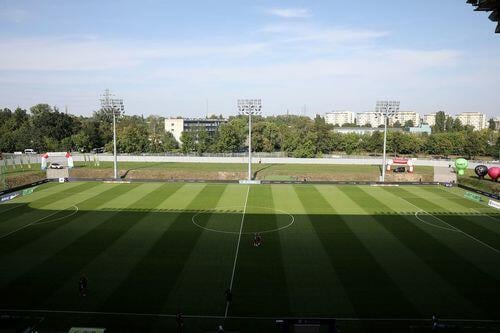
x=314, y=33
x=83, y=54
x=290, y=13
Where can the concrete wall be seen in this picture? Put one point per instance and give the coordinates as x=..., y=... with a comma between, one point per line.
x=270, y=160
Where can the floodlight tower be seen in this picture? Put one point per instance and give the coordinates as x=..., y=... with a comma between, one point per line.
x=386, y=109
x=116, y=108
x=250, y=107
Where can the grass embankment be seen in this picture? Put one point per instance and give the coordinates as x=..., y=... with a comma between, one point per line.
x=23, y=175
x=470, y=179
x=232, y=171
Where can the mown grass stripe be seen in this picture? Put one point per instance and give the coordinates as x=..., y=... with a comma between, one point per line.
x=456, y=220
x=156, y=273
x=313, y=285
x=43, y=279
x=20, y=213
x=215, y=250
x=483, y=292
x=29, y=235
x=41, y=191
x=368, y=285
x=135, y=243
x=266, y=292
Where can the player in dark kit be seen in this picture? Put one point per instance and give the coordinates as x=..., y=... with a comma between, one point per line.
x=83, y=286
x=180, y=321
x=257, y=239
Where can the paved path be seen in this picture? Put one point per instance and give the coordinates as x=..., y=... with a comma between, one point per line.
x=444, y=174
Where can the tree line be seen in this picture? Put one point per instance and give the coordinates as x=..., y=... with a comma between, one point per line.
x=46, y=128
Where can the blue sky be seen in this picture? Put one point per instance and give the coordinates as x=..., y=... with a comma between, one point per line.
x=170, y=57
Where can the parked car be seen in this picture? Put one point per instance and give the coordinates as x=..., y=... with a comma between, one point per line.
x=399, y=169
x=29, y=151
x=98, y=150
x=55, y=166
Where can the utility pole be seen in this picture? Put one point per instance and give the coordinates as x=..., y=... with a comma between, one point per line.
x=250, y=107
x=116, y=108
x=386, y=109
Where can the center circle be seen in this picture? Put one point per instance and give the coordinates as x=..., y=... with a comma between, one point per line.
x=229, y=218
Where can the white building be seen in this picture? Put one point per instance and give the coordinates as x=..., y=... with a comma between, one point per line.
x=363, y=130
x=404, y=116
x=475, y=119
x=369, y=117
x=339, y=117
x=178, y=125
x=429, y=119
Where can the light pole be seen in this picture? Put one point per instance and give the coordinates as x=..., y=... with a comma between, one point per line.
x=386, y=109
x=115, y=106
x=250, y=107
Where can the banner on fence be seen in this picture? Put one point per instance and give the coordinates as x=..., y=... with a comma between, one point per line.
x=494, y=204
x=472, y=196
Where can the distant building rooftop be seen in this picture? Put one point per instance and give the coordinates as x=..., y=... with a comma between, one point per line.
x=364, y=130
x=423, y=128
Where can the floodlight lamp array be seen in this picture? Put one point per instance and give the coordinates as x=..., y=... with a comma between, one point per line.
x=387, y=108
x=250, y=106
x=110, y=104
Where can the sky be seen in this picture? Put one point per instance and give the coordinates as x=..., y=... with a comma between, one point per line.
x=182, y=58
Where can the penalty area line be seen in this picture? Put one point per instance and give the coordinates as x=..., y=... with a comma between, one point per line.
x=455, y=228
x=41, y=219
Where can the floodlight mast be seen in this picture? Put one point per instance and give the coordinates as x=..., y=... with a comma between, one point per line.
x=115, y=106
x=386, y=109
x=250, y=107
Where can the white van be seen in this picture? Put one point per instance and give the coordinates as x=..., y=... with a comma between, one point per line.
x=29, y=151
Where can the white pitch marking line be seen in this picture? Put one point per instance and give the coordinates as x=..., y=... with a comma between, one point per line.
x=136, y=314
x=61, y=218
x=237, y=250
x=11, y=208
x=457, y=229
x=292, y=221
x=433, y=225
x=35, y=222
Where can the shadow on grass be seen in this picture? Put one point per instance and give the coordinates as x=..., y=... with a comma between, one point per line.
x=37, y=270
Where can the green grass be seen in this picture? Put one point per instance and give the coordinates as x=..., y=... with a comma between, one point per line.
x=340, y=251
x=470, y=179
x=260, y=171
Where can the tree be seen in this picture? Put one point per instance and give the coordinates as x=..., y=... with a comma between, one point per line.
x=397, y=124
x=409, y=123
x=132, y=139
x=321, y=130
x=307, y=147
x=188, y=140
x=230, y=138
x=440, y=122
x=457, y=125
x=81, y=142
x=375, y=142
x=491, y=124
x=448, y=125
x=203, y=141
x=351, y=143
x=473, y=144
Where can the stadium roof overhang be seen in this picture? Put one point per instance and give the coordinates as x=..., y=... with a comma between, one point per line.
x=492, y=6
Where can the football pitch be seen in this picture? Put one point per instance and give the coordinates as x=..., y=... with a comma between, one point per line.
x=361, y=254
